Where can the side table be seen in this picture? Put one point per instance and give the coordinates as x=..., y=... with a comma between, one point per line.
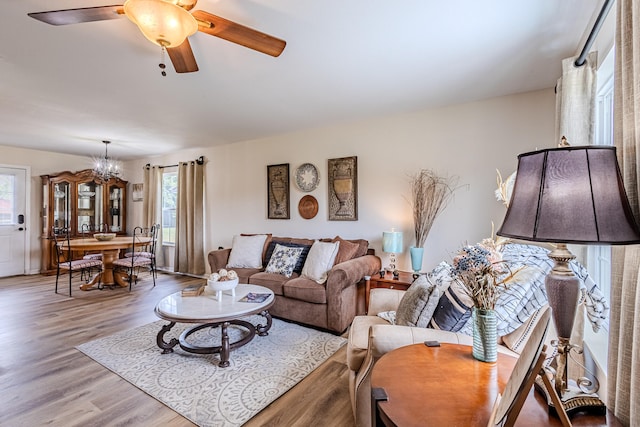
x=446, y=386
x=404, y=280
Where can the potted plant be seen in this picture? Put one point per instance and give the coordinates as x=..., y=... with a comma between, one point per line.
x=430, y=194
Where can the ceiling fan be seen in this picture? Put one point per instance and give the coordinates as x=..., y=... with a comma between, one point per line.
x=168, y=23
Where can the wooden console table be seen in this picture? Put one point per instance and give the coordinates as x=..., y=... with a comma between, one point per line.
x=446, y=386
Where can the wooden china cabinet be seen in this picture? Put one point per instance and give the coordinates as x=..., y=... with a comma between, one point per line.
x=82, y=202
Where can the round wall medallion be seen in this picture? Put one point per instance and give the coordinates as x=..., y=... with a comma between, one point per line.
x=308, y=207
x=307, y=177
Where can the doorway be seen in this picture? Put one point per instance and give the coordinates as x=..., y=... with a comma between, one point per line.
x=13, y=220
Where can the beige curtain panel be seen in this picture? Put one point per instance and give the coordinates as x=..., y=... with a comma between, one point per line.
x=152, y=205
x=189, y=255
x=623, y=374
x=575, y=101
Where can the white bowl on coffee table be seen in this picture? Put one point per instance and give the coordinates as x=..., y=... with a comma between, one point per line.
x=218, y=286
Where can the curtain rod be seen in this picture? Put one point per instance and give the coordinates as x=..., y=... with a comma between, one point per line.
x=594, y=33
x=199, y=160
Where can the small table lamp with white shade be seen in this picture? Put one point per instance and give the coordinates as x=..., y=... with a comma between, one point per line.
x=392, y=244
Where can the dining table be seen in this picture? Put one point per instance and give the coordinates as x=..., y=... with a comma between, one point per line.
x=110, y=250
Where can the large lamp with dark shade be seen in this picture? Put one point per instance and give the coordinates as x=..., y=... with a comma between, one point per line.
x=569, y=195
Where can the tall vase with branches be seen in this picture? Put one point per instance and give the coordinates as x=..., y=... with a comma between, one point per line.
x=430, y=195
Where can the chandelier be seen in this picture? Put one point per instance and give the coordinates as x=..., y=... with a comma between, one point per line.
x=105, y=167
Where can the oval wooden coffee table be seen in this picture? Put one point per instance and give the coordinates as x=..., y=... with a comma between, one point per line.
x=210, y=312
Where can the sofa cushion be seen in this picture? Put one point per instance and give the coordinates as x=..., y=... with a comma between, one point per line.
x=283, y=260
x=246, y=251
x=453, y=309
x=304, y=289
x=245, y=273
x=320, y=260
x=279, y=241
x=346, y=251
x=272, y=281
x=418, y=304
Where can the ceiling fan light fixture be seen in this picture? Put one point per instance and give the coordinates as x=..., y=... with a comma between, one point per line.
x=162, y=22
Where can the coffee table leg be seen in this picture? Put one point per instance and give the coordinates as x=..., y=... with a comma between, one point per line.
x=225, y=348
x=263, y=330
x=166, y=347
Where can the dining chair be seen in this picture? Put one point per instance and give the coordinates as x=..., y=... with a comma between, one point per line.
x=86, y=232
x=529, y=365
x=149, y=250
x=133, y=264
x=65, y=259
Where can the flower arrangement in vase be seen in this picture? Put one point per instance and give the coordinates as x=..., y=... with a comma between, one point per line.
x=483, y=274
x=430, y=195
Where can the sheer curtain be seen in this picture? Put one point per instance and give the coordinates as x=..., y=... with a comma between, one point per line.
x=152, y=204
x=575, y=120
x=189, y=256
x=624, y=334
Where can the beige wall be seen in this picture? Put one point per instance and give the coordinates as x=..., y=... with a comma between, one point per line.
x=470, y=141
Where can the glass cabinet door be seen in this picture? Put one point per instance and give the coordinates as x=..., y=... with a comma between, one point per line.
x=61, y=215
x=114, y=218
x=90, y=208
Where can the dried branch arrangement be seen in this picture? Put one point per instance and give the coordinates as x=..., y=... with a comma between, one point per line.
x=430, y=195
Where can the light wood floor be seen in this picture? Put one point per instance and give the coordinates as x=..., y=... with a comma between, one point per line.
x=44, y=380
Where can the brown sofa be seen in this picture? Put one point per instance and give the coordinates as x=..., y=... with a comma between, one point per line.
x=331, y=305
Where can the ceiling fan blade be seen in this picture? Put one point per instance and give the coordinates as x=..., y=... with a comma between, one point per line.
x=75, y=16
x=182, y=58
x=236, y=33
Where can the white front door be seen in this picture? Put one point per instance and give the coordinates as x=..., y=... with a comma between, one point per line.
x=13, y=221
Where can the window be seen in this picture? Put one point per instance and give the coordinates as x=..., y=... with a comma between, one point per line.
x=169, y=198
x=7, y=202
x=599, y=257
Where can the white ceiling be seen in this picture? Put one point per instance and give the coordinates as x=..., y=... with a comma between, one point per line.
x=66, y=88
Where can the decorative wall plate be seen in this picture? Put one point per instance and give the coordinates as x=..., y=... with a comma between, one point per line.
x=307, y=177
x=308, y=207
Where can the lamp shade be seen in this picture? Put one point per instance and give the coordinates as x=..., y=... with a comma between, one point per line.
x=392, y=242
x=162, y=22
x=570, y=195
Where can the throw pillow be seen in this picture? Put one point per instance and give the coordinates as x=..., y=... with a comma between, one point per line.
x=301, y=259
x=320, y=260
x=246, y=251
x=346, y=251
x=389, y=316
x=441, y=276
x=283, y=260
x=418, y=304
x=453, y=309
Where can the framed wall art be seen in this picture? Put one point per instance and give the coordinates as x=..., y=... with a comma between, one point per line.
x=278, y=191
x=343, y=189
x=137, y=193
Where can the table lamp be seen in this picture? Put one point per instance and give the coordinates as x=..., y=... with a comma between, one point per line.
x=569, y=195
x=392, y=244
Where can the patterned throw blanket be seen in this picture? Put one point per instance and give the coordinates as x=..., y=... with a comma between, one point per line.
x=526, y=293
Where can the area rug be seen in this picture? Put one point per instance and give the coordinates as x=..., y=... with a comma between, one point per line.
x=196, y=387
